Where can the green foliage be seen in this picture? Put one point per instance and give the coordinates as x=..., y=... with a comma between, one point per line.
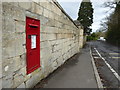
x=85, y=16
x=101, y=34
x=93, y=36
x=113, y=32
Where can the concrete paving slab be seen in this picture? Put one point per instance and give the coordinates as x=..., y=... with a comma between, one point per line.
x=77, y=73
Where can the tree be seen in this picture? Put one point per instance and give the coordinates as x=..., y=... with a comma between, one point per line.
x=85, y=15
x=113, y=30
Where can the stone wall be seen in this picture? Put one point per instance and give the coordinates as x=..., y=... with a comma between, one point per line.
x=0, y=46
x=59, y=40
x=81, y=41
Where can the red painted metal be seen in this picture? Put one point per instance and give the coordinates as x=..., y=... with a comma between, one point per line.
x=32, y=54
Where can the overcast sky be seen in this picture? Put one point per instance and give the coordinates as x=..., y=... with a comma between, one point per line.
x=100, y=12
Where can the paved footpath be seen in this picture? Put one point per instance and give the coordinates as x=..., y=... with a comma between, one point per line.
x=77, y=73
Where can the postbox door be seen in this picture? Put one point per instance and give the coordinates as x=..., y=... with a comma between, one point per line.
x=32, y=44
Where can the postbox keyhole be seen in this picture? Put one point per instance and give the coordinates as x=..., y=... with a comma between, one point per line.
x=29, y=36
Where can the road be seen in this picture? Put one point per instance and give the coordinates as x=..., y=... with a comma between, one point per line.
x=108, y=58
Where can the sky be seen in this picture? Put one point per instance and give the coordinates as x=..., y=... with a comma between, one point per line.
x=71, y=7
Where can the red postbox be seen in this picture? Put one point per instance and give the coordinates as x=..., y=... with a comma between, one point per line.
x=32, y=44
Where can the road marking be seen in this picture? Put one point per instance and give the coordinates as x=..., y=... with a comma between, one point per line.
x=115, y=53
x=96, y=57
x=99, y=83
x=114, y=72
x=115, y=57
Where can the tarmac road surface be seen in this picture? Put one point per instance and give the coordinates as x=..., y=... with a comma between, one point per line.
x=111, y=56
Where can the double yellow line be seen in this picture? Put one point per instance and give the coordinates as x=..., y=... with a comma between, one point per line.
x=114, y=56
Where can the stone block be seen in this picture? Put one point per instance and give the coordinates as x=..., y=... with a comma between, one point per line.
x=45, y=44
x=8, y=26
x=7, y=83
x=56, y=17
x=63, y=51
x=8, y=66
x=60, y=41
x=46, y=62
x=27, y=77
x=55, y=55
x=14, y=3
x=57, y=47
x=51, y=36
x=17, y=63
x=0, y=84
x=37, y=8
x=20, y=41
x=17, y=80
x=42, y=3
x=23, y=60
x=54, y=65
x=23, y=71
x=46, y=51
x=8, y=10
x=25, y=5
x=11, y=66
x=45, y=1
x=1, y=67
x=32, y=15
x=54, y=8
x=48, y=29
x=64, y=57
x=43, y=37
x=33, y=80
x=46, y=13
x=51, y=15
x=47, y=71
x=37, y=1
x=59, y=36
x=51, y=23
x=58, y=24
x=52, y=43
x=9, y=39
x=44, y=21
x=20, y=27
x=48, y=5
x=19, y=14
x=10, y=3
x=58, y=11
x=60, y=60
x=22, y=85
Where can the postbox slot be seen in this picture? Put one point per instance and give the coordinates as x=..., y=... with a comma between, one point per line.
x=33, y=26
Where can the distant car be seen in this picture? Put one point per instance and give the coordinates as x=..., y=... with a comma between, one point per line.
x=102, y=39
